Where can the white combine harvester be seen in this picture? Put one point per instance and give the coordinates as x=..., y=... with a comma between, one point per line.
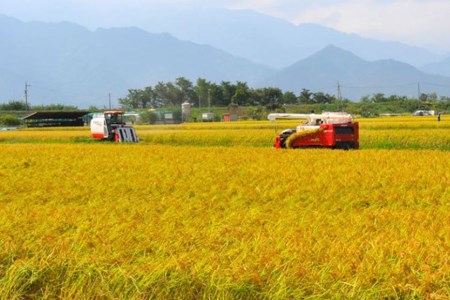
x=111, y=126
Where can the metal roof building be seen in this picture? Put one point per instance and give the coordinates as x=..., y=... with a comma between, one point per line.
x=55, y=118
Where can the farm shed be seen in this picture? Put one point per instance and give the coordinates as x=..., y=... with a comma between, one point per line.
x=55, y=118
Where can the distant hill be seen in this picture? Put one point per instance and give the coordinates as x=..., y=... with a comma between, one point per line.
x=272, y=41
x=323, y=71
x=441, y=67
x=66, y=63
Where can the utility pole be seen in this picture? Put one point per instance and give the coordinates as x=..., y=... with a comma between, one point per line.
x=339, y=95
x=26, y=95
x=209, y=99
x=418, y=91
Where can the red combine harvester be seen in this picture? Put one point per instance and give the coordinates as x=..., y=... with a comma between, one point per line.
x=111, y=126
x=333, y=130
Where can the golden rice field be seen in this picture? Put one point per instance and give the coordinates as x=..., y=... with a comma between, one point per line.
x=207, y=211
x=381, y=133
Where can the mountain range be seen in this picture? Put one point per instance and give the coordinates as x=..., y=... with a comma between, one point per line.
x=442, y=67
x=272, y=41
x=67, y=63
x=333, y=68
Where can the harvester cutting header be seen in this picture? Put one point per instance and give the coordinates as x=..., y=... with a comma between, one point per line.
x=110, y=125
x=327, y=130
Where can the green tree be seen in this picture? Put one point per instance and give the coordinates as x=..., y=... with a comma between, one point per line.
x=289, y=98
x=54, y=107
x=379, y=98
x=257, y=113
x=160, y=91
x=148, y=117
x=14, y=105
x=92, y=108
x=131, y=100
x=202, y=90
x=241, y=95
x=216, y=94
x=365, y=99
x=256, y=96
x=174, y=95
x=321, y=98
x=186, y=90
x=272, y=98
x=228, y=91
x=305, y=97
x=9, y=120
x=147, y=98
x=168, y=94
x=138, y=98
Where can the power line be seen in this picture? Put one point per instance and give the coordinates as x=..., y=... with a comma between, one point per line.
x=393, y=86
x=436, y=84
x=379, y=86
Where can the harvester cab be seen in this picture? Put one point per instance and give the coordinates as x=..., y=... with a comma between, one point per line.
x=110, y=125
x=334, y=130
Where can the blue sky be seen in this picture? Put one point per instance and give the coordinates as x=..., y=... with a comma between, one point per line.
x=417, y=22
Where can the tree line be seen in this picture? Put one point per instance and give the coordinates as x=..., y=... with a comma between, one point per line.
x=18, y=105
x=204, y=93
x=226, y=94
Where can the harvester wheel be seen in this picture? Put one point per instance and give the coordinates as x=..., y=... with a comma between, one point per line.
x=284, y=136
x=343, y=146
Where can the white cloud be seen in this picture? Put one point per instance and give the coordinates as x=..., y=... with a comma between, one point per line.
x=419, y=22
